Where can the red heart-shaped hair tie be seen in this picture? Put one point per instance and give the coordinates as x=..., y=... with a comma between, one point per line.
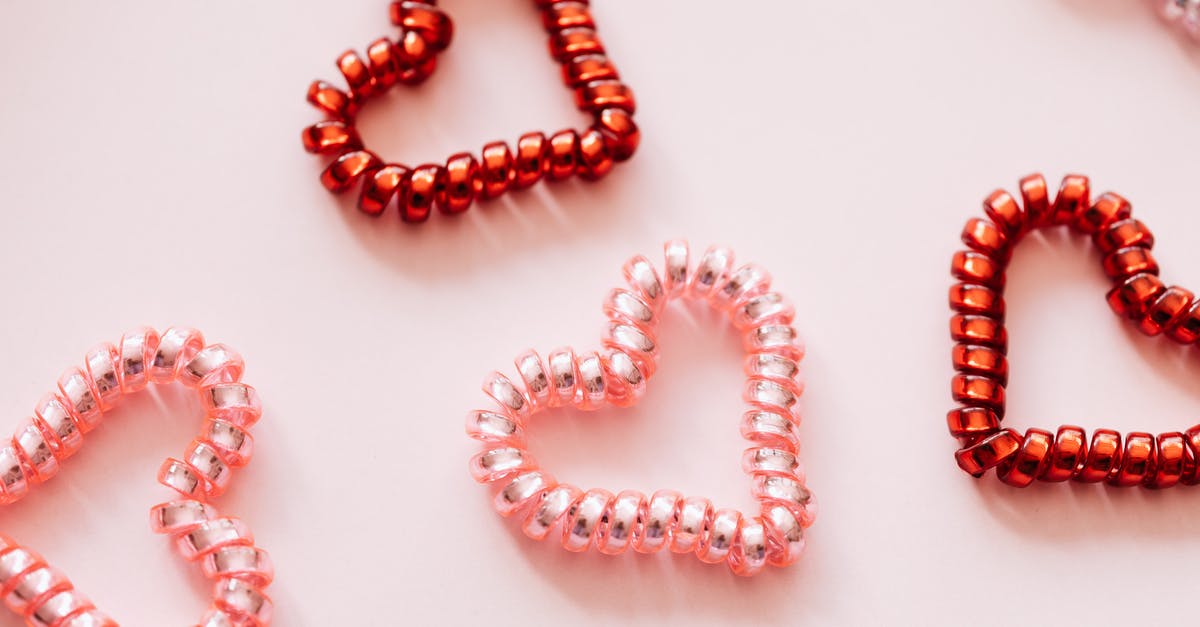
x=977, y=327
x=425, y=31
x=617, y=375
x=223, y=546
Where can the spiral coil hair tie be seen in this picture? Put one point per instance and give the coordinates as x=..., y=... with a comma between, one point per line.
x=425, y=31
x=1186, y=13
x=977, y=327
x=617, y=375
x=223, y=546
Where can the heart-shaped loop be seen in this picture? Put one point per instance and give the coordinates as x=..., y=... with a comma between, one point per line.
x=425, y=31
x=223, y=546
x=617, y=375
x=977, y=327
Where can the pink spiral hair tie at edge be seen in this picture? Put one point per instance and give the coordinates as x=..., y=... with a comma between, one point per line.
x=617, y=375
x=223, y=546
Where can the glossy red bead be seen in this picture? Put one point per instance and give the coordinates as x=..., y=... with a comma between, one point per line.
x=1068, y=454
x=1166, y=311
x=358, y=76
x=1006, y=212
x=978, y=390
x=1031, y=459
x=585, y=68
x=1035, y=197
x=330, y=137
x=531, y=161
x=383, y=63
x=380, y=188
x=496, y=169
x=971, y=423
x=594, y=158
x=571, y=42
x=426, y=19
x=1074, y=195
x=1107, y=209
x=1171, y=460
x=1138, y=463
x=973, y=267
x=988, y=452
x=985, y=237
x=1126, y=262
x=563, y=15
x=621, y=135
x=346, y=170
x=598, y=95
x=332, y=101
x=1122, y=234
x=967, y=298
x=980, y=360
x=1186, y=329
x=975, y=329
x=460, y=185
x=564, y=155
x=422, y=191
x=1103, y=457
x=1133, y=296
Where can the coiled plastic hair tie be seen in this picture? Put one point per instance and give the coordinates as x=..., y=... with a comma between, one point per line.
x=617, y=375
x=452, y=186
x=224, y=547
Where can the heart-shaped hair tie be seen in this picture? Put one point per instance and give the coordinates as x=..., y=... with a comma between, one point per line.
x=617, y=375
x=223, y=546
x=425, y=31
x=1184, y=12
x=977, y=327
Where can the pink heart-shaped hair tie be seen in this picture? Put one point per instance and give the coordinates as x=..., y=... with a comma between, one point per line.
x=223, y=546
x=617, y=375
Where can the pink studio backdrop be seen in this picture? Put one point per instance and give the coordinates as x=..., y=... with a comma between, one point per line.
x=154, y=175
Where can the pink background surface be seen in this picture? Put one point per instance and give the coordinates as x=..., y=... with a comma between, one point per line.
x=153, y=175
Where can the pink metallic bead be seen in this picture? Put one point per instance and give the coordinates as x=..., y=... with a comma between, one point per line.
x=770, y=429
x=248, y=563
x=771, y=461
x=744, y=284
x=550, y=510
x=675, y=273
x=212, y=365
x=776, y=368
x=80, y=398
x=785, y=536
x=564, y=377
x=105, y=375
x=766, y=309
x=211, y=535
x=14, y=562
x=234, y=443
x=748, y=554
x=789, y=493
x=661, y=513
x=626, y=383
x=691, y=525
x=136, y=352
x=769, y=395
x=243, y=600
x=232, y=402
x=491, y=427
x=534, y=376
x=56, y=419
x=53, y=610
x=184, y=479
x=619, y=523
x=35, y=452
x=592, y=388
x=634, y=342
x=89, y=618
x=207, y=460
x=220, y=618
x=713, y=269
x=175, y=349
x=583, y=518
x=719, y=537
x=643, y=279
x=13, y=482
x=498, y=463
x=28, y=588
x=775, y=338
x=177, y=517
x=624, y=306
x=510, y=398
x=521, y=491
